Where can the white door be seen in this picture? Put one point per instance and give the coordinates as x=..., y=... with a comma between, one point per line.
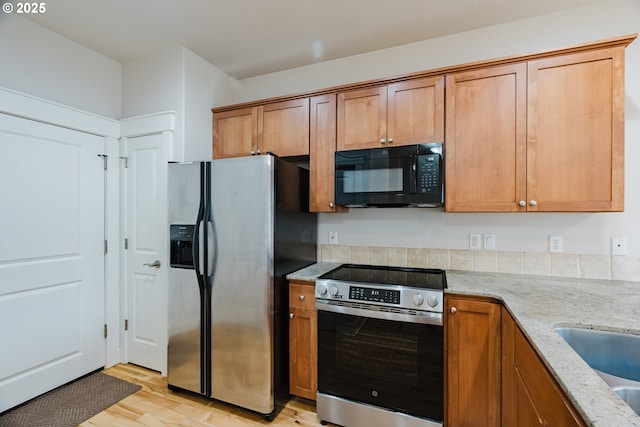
x=51, y=257
x=146, y=254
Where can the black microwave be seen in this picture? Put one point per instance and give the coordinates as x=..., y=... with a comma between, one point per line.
x=390, y=177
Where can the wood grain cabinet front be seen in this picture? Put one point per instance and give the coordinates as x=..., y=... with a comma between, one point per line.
x=403, y=113
x=530, y=395
x=303, y=340
x=281, y=128
x=541, y=135
x=473, y=367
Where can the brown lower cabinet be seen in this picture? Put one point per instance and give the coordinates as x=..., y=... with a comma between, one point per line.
x=530, y=395
x=472, y=344
x=303, y=340
x=494, y=377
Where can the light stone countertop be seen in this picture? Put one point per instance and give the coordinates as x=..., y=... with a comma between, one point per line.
x=538, y=304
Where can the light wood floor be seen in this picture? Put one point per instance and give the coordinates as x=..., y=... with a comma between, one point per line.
x=155, y=406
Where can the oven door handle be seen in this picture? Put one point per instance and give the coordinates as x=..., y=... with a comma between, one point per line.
x=426, y=318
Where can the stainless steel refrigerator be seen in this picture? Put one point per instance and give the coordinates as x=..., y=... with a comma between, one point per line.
x=237, y=227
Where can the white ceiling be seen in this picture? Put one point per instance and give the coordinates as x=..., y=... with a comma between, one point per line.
x=245, y=38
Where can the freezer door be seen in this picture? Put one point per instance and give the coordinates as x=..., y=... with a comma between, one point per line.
x=184, y=353
x=242, y=218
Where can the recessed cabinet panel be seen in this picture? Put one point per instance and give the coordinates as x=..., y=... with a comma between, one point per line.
x=234, y=133
x=362, y=118
x=486, y=140
x=303, y=340
x=473, y=362
x=415, y=112
x=283, y=128
x=575, y=132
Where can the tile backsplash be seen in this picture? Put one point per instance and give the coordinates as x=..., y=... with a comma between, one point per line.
x=545, y=264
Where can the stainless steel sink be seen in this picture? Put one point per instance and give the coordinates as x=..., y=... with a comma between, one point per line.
x=630, y=395
x=614, y=353
x=615, y=356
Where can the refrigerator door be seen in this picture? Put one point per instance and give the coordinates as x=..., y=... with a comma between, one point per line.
x=185, y=362
x=241, y=253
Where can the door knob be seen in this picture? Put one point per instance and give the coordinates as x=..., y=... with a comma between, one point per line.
x=155, y=264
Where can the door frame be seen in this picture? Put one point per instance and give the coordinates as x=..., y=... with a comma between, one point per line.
x=149, y=124
x=33, y=108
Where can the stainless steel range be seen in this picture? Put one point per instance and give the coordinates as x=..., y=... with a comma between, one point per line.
x=380, y=346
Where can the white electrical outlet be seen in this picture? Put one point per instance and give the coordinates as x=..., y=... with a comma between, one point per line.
x=475, y=241
x=490, y=241
x=618, y=246
x=333, y=237
x=555, y=244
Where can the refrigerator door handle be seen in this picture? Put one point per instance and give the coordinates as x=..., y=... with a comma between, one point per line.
x=210, y=248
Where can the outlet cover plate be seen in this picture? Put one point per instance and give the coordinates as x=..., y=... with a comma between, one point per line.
x=555, y=244
x=618, y=246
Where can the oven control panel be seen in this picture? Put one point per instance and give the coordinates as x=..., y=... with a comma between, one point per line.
x=385, y=295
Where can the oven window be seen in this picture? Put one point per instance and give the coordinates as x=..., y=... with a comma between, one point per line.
x=372, y=180
x=394, y=365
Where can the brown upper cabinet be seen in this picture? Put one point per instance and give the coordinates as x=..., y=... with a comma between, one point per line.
x=281, y=128
x=542, y=135
x=404, y=113
x=322, y=148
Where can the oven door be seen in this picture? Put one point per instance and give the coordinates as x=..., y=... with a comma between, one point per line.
x=391, y=364
x=376, y=177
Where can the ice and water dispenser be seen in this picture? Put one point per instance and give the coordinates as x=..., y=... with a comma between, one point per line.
x=181, y=250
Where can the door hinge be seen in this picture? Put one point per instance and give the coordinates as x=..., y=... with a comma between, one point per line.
x=126, y=243
x=126, y=324
x=126, y=161
x=104, y=159
x=106, y=247
x=105, y=331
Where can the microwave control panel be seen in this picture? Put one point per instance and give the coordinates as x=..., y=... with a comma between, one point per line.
x=429, y=174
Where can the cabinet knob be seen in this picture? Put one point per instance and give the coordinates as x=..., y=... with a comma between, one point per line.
x=331, y=205
x=522, y=203
x=533, y=203
x=301, y=297
x=453, y=310
x=290, y=315
x=253, y=153
x=258, y=152
x=382, y=141
x=390, y=140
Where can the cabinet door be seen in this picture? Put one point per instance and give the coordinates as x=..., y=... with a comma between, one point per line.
x=473, y=362
x=531, y=397
x=415, y=112
x=234, y=133
x=486, y=140
x=303, y=340
x=283, y=128
x=575, y=132
x=322, y=147
x=362, y=118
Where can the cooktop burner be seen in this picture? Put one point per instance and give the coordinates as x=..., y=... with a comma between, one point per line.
x=429, y=278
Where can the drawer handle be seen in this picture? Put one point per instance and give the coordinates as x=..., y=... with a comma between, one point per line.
x=301, y=297
x=290, y=315
x=453, y=310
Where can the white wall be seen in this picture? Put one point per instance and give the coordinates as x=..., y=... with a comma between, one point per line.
x=432, y=228
x=204, y=87
x=41, y=63
x=177, y=80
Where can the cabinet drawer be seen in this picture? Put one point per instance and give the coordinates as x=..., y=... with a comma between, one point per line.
x=302, y=296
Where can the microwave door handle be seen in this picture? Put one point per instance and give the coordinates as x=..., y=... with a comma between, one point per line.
x=413, y=182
